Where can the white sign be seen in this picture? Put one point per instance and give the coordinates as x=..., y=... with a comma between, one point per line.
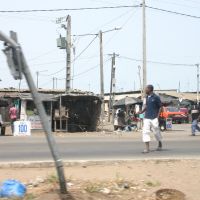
x=169, y=124
x=22, y=128
x=36, y=122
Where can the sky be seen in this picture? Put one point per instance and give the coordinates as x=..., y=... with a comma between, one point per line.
x=170, y=38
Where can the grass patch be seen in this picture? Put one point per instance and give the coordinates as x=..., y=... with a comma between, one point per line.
x=152, y=184
x=29, y=197
x=53, y=179
x=93, y=187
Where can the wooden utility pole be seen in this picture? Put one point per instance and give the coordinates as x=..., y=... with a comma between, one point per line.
x=54, y=83
x=144, y=46
x=139, y=74
x=101, y=73
x=68, y=51
x=37, y=81
x=179, y=87
x=112, y=85
x=197, y=83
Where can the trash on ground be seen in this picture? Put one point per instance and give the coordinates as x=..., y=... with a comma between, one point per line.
x=12, y=189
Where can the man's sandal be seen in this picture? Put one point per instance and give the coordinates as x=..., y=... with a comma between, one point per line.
x=145, y=151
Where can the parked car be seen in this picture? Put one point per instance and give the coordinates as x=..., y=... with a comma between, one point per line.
x=177, y=115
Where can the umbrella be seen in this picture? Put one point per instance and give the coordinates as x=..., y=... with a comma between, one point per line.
x=127, y=101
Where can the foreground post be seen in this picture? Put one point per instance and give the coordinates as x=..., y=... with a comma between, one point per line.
x=18, y=64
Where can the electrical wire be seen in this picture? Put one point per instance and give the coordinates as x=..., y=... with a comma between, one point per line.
x=86, y=71
x=47, y=82
x=177, y=4
x=63, y=60
x=85, y=48
x=157, y=62
x=49, y=63
x=193, y=1
x=122, y=26
x=27, y=18
x=41, y=55
x=70, y=9
x=173, y=12
x=112, y=20
x=75, y=57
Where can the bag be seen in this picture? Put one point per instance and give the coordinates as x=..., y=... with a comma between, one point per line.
x=12, y=188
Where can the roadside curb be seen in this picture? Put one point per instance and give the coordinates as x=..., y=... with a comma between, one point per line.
x=86, y=163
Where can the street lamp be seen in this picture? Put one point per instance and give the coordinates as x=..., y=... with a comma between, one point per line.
x=101, y=67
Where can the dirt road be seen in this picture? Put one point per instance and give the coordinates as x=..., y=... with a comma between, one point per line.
x=96, y=182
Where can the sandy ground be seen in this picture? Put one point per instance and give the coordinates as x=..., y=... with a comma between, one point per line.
x=143, y=178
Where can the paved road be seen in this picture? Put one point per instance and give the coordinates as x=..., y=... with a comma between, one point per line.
x=177, y=144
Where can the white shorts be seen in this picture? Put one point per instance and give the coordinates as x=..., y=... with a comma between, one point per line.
x=148, y=125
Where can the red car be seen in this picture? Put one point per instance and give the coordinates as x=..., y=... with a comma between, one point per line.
x=178, y=116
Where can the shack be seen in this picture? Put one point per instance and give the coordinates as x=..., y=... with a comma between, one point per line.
x=29, y=112
x=76, y=113
x=26, y=108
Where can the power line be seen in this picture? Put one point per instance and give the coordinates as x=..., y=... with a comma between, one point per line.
x=63, y=60
x=41, y=55
x=70, y=9
x=49, y=63
x=85, y=49
x=76, y=56
x=112, y=20
x=173, y=12
x=90, y=69
x=122, y=26
x=157, y=62
x=177, y=4
x=86, y=71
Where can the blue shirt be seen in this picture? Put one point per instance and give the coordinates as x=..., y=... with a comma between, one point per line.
x=153, y=105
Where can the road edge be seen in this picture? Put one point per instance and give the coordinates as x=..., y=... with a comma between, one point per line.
x=85, y=163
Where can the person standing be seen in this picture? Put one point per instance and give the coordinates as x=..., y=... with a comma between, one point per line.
x=151, y=110
x=195, y=118
x=13, y=115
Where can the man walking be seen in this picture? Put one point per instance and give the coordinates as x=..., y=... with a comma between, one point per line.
x=151, y=108
x=195, y=117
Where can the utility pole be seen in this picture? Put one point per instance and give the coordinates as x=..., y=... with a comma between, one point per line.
x=144, y=46
x=134, y=88
x=54, y=79
x=101, y=73
x=197, y=83
x=112, y=85
x=68, y=51
x=179, y=86
x=37, y=74
x=139, y=74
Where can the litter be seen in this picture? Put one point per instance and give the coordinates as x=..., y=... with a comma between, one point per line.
x=12, y=189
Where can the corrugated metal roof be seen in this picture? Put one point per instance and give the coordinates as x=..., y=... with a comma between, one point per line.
x=44, y=97
x=172, y=93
